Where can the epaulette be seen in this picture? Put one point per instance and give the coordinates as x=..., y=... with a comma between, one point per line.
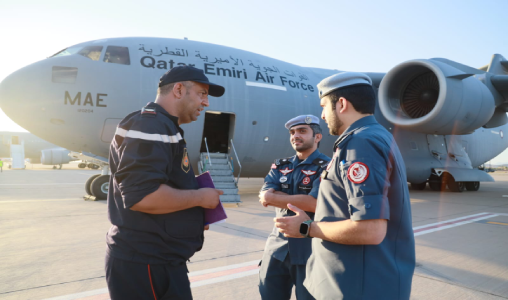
x=322, y=163
x=282, y=161
x=148, y=111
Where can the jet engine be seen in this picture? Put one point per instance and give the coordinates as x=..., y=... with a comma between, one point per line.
x=432, y=97
x=55, y=156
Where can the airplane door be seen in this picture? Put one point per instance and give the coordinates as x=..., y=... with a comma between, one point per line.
x=437, y=146
x=218, y=130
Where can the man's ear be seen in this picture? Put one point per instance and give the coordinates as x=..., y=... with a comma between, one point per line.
x=178, y=90
x=318, y=138
x=342, y=105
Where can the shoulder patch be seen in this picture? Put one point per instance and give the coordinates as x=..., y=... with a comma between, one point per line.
x=358, y=172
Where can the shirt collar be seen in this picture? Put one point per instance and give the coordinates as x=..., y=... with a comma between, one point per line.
x=368, y=120
x=161, y=110
x=308, y=160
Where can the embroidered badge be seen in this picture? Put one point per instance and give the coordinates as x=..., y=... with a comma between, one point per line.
x=358, y=172
x=306, y=180
x=286, y=171
x=185, y=161
x=309, y=172
x=283, y=179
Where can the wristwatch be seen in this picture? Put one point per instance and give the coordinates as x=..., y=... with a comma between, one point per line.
x=305, y=228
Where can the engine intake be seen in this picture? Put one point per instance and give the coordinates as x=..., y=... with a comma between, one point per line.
x=55, y=156
x=432, y=97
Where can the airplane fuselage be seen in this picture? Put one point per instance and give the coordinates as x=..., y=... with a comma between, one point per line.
x=77, y=100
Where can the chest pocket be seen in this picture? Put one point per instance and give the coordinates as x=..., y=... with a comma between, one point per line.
x=343, y=168
x=287, y=185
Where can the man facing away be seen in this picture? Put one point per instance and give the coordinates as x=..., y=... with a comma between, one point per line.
x=363, y=246
x=291, y=180
x=155, y=205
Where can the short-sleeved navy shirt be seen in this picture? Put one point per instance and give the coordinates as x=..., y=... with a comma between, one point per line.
x=149, y=150
x=365, y=180
x=301, y=177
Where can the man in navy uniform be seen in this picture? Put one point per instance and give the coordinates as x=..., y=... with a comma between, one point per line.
x=291, y=180
x=154, y=202
x=363, y=246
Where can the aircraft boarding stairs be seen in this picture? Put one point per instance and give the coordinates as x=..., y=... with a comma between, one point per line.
x=221, y=171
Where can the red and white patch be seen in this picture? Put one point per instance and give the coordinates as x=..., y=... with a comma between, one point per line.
x=274, y=166
x=358, y=172
x=306, y=180
x=286, y=171
x=309, y=172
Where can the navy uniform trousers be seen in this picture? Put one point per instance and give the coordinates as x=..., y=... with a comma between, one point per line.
x=129, y=280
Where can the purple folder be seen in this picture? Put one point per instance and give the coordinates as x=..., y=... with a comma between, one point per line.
x=218, y=214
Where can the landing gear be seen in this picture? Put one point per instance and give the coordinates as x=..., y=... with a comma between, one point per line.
x=418, y=186
x=88, y=184
x=59, y=167
x=82, y=165
x=100, y=187
x=454, y=186
x=473, y=186
x=436, y=183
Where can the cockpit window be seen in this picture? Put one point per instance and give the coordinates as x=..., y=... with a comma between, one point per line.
x=92, y=52
x=67, y=51
x=117, y=55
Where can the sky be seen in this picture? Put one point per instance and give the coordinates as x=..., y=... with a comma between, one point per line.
x=369, y=36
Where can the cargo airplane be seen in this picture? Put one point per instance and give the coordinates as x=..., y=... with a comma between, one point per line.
x=447, y=118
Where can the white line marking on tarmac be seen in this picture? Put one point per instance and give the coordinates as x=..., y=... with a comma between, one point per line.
x=230, y=272
x=421, y=230
x=80, y=295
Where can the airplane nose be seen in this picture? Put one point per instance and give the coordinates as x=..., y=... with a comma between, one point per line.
x=22, y=95
x=10, y=95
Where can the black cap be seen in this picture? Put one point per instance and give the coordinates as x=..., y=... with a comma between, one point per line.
x=187, y=73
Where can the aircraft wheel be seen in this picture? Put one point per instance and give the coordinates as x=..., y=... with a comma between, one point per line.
x=456, y=186
x=418, y=186
x=473, y=186
x=90, y=165
x=100, y=187
x=88, y=183
x=95, y=167
x=435, y=185
x=81, y=165
x=54, y=167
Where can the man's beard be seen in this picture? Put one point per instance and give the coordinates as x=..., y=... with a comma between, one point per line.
x=334, y=124
x=304, y=146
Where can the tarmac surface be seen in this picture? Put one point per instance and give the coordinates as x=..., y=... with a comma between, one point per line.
x=52, y=242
